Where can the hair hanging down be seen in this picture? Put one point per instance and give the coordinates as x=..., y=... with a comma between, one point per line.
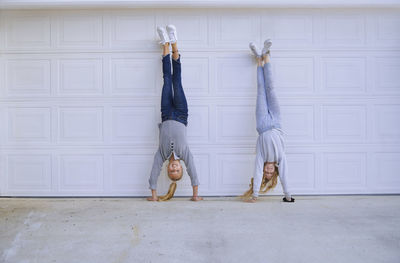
x=172, y=188
x=266, y=185
x=170, y=194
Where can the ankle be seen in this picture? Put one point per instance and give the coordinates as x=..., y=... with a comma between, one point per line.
x=175, y=54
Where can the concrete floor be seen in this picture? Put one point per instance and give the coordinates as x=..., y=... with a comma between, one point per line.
x=314, y=229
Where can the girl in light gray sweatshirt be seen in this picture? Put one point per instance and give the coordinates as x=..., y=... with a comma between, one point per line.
x=270, y=150
x=173, y=144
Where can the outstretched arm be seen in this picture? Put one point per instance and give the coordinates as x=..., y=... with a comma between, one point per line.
x=191, y=170
x=258, y=170
x=282, y=176
x=155, y=173
x=153, y=196
x=187, y=157
x=196, y=196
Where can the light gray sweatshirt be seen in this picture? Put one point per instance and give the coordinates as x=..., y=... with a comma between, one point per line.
x=172, y=141
x=270, y=148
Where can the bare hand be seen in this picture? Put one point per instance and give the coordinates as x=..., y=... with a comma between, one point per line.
x=251, y=200
x=151, y=198
x=196, y=198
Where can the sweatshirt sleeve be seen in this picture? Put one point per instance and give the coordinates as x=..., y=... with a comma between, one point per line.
x=282, y=177
x=258, y=171
x=155, y=171
x=190, y=166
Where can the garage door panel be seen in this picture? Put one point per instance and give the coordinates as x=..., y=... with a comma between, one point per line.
x=198, y=129
x=293, y=75
x=301, y=171
x=29, y=172
x=28, y=77
x=386, y=119
x=234, y=124
x=80, y=76
x=80, y=124
x=386, y=166
x=235, y=30
x=387, y=79
x=81, y=173
x=289, y=28
x=121, y=22
x=134, y=76
x=235, y=76
x=344, y=123
x=386, y=30
x=134, y=124
x=27, y=30
x=343, y=75
x=80, y=29
x=129, y=172
x=29, y=125
x=341, y=29
x=298, y=123
x=344, y=171
x=235, y=171
x=195, y=75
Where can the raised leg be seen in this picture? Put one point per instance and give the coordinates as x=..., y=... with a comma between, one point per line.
x=180, y=102
x=261, y=103
x=166, y=95
x=272, y=99
x=175, y=52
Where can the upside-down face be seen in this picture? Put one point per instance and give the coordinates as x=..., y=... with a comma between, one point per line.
x=269, y=170
x=174, y=170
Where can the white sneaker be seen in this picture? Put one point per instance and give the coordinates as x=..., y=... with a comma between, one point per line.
x=162, y=33
x=173, y=37
x=254, y=49
x=267, y=46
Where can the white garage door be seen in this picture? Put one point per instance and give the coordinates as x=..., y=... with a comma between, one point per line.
x=80, y=93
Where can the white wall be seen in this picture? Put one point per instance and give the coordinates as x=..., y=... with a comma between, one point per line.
x=80, y=93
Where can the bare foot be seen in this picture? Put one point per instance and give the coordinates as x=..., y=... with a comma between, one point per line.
x=196, y=198
x=251, y=200
x=152, y=198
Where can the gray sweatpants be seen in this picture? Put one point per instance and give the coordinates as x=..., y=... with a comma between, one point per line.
x=267, y=109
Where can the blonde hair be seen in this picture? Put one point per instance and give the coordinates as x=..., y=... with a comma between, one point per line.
x=266, y=185
x=170, y=194
x=171, y=190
